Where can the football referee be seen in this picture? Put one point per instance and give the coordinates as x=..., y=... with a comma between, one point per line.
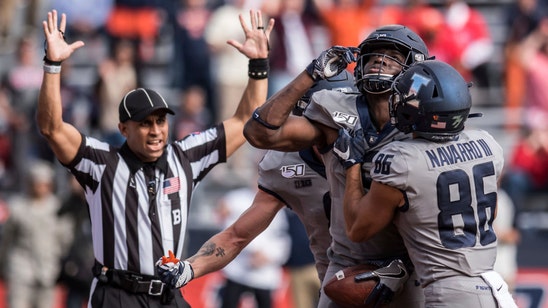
x=139, y=194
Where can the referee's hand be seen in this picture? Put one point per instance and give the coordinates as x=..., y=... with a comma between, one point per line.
x=172, y=272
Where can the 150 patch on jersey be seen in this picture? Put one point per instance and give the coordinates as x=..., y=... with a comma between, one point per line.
x=291, y=171
x=341, y=117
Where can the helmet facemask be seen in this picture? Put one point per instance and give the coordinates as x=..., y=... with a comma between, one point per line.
x=375, y=83
x=390, y=37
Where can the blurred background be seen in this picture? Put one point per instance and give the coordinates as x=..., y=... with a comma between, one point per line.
x=178, y=47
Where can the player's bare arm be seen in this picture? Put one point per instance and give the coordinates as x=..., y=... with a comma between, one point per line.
x=255, y=46
x=223, y=247
x=273, y=127
x=63, y=138
x=367, y=214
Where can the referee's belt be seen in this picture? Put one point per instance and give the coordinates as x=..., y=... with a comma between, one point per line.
x=129, y=281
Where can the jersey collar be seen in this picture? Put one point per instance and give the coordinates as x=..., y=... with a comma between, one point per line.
x=135, y=163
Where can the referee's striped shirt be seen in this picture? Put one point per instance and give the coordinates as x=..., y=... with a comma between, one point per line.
x=136, y=219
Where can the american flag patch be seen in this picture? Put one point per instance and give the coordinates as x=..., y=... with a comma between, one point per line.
x=441, y=125
x=171, y=185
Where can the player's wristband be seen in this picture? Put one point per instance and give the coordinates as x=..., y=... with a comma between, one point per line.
x=257, y=118
x=52, y=69
x=51, y=63
x=258, y=68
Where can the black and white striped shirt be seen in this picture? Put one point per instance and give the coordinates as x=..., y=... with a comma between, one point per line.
x=136, y=219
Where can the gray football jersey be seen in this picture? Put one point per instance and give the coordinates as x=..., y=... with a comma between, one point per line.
x=298, y=180
x=451, y=191
x=349, y=111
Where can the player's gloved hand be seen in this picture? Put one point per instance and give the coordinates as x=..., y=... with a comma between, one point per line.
x=331, y=62
x=172, y=272
x=350, y=149
x=390, y=279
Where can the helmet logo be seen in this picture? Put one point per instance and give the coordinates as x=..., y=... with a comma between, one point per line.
x=418, y=82
x=380, y=35
x=457, y=120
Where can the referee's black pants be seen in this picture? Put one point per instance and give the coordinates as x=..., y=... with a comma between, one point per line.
x=108, y=296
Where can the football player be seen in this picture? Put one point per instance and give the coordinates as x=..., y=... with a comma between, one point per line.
x=381, y=56
x=439, y=188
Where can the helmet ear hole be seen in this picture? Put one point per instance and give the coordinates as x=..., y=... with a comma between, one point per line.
x=435, y=93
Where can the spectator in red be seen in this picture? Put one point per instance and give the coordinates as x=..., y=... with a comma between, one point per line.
x=466, y=42
x=527, y=172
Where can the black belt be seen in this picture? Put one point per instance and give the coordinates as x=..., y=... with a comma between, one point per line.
x=130, y=281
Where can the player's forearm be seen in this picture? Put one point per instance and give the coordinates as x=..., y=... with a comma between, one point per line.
x=352, y=195
x=276, y=110
x=262, y=127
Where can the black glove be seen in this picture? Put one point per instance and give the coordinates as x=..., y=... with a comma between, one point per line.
x=350, y=149
x=390, y=279
x=331, y=62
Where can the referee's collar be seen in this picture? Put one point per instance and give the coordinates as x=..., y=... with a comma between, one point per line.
x=135, y=163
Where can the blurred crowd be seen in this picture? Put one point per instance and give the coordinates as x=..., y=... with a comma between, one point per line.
x=178, y=47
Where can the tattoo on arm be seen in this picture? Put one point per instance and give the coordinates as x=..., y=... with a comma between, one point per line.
x=210, y=248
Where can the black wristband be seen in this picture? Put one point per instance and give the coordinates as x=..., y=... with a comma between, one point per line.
x=51, y=63
x=258, y=68
x=257, y=118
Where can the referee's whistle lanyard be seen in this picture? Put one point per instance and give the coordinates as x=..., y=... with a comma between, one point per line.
x=150, y=179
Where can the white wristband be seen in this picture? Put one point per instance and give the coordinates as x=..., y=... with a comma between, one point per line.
x=52, y=69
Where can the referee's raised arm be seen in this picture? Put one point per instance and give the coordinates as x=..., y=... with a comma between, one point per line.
x=63, y=138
